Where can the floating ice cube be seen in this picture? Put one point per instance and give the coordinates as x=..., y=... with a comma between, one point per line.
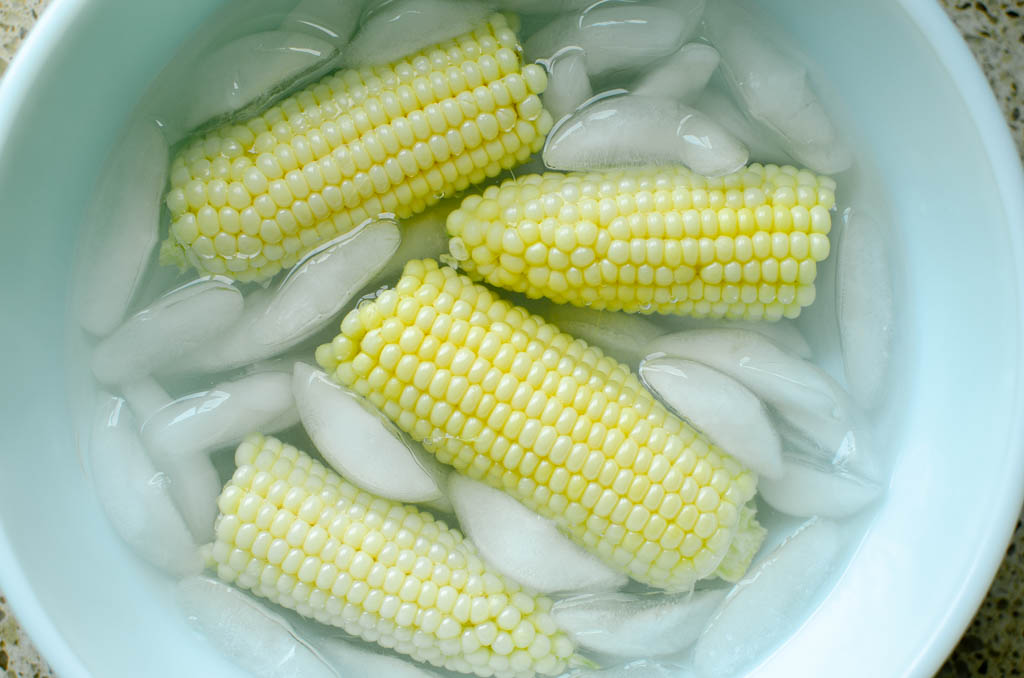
x=618, y=35
x=207, y=420
x=775, y=90
x=378, y=459
x=761, y=143
x=145, y=396
x=630, y=625
x=523, y=545
x=682, y=76
x=248, y=633
x=568, y=84
x=622, y=335
x=864, y=303
x=783, y=332
x=721, y=408
x=120, y=228
x=195, y=486
x=249, y=71
x=401, y=27
x=765, y=606
x=306, y=301
x=351, y=660
x=335, y=20
x=811, y=487
x=629, y=130
x=134, y=495
x=181, y=321
x=640, y=668
x=799, y=391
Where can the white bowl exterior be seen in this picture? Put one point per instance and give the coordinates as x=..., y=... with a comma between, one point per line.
x=952, y=182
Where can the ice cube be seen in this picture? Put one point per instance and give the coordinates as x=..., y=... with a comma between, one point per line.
x=134, y=495
x=631, y=625
x=864, y=304
x=761, y=143
x=204, y=421
x=379, y=459
x=783, y=332
x=811, y=487
x=617, y=35
x=629, y=130
x=401, y=27
x=622, y=335
x=120, y=228
x=195, y=486
x=524, y=546
x=775, y=90
x=247, y=632
x=542, y=6
x=721, y=408
x=766, y=605
x=351, y=660
x=568, y=84
x=249, y=71
x=798, y=391
x=640, y=668
x=145, y=396
x=183, y=320
x=335, y=20
x=682, y=76
x=306, y=301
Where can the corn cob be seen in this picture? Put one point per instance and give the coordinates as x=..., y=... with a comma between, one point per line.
x=247, y=200
x=506, y=398
x=659, y=240
x=296, y=533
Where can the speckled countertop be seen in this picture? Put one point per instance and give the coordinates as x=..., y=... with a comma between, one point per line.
x=993, y=645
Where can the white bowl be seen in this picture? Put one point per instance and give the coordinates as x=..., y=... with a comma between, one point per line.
x=920, y=112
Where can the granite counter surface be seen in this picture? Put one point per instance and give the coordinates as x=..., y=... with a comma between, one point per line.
x=993, y=644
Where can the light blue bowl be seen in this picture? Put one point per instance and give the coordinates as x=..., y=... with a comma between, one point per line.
x=921, y=113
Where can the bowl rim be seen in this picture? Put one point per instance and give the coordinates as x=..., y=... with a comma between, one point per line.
x=1000, y=150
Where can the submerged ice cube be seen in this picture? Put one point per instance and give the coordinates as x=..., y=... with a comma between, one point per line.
x=625, y=336
x=204, y=421
x=121, y=228
x=247, y=632
x=568, y=84
x=721, y=108
x=719, y=407
x=809, y=486
x=134, y=494
x=618, y=35
x=763, y=608
x=631, y=625
x=306, y=301
x=351, y=660
x=630, y=130
x=400, y=27
x=799, y=391
x=864, y=303
x=775, y=89
x=181, y=321
x=783, y=332
x=378, y=459
x=639, y=668
x=681, y=76
x=522, y=545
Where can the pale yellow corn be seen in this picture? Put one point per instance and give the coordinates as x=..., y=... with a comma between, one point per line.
x=508, y=399
x=247, y=200
x=660, y=240
x=296, y=533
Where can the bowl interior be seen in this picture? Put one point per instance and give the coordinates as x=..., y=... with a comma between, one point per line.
x=907, y=91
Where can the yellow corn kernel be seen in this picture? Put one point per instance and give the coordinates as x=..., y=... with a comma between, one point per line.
x=296, y=533
x=660, y=240
x=572, y=393
x=250, y=199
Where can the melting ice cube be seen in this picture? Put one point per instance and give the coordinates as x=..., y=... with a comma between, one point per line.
x=681, y=76
x=568, y=84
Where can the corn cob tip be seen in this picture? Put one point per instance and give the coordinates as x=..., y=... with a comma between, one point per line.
x=173, y=254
